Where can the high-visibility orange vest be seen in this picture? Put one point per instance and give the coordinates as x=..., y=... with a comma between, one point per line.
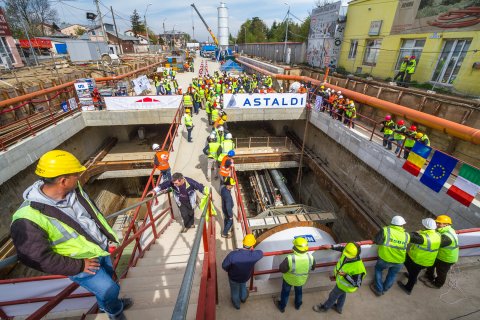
x=224, y=171
x=162, y=158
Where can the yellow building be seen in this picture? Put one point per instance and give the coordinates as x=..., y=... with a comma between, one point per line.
x=443, y=37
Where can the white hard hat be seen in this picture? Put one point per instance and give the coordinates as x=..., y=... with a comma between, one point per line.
x=340, y=96
x=339, y=92
x=155, y=146
x=241, y=87
x=429, y=223
x=212, y=136
x=398, y=221
x=333, y=91
x=220, y=128
x=228, y=136
x=180, y=88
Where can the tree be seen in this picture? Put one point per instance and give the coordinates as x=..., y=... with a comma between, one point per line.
x=79, y=31
x=231, y=39
x=254, y=30
x=29, y=14
x=137, y=25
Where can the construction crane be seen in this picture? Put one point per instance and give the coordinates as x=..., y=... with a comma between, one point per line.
x=206, y=25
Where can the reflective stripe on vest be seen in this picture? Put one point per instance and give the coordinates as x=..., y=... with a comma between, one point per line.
x=296, y=261
x=188, y=120
x=350, y=268
x=392, y=250
x=294, y=267
x=425, y=254
x=449, y=253
x=65, y=234
x=212, y=150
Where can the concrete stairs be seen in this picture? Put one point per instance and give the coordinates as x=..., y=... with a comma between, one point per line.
x=155, y=281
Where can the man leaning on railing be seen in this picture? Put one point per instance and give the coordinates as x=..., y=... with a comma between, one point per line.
x=59, y=230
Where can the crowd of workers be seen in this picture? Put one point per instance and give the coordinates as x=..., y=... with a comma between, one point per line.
x=60, y=230
x=406, y=70
x=399, y=134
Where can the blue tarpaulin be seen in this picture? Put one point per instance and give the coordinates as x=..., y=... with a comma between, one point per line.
x=231, y=65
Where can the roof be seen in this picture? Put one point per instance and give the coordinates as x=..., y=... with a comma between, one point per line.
x=124, y=37
x=84, y=36
x=67, y=25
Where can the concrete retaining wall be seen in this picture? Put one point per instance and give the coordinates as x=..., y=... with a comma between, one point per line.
x=275, y=51
x=387, y=189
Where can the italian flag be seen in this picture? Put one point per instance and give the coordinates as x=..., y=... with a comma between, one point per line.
x=466, y=186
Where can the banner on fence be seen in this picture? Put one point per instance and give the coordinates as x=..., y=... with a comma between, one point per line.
x=142, y=102
x=141, y=84
x=269, y=100
x=84, y=95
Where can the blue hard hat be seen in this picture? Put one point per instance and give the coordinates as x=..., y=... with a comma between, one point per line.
x=231, y=153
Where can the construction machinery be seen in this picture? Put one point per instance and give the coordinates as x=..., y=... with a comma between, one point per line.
x=215, y=40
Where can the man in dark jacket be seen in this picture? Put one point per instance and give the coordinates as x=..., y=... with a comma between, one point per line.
x=59, y=230
x=227, y=206
x=185, y=196
x=239, y=264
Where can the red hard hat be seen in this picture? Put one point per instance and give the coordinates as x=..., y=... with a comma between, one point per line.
x=412, y=57
x=413, y=128
x=388, y=117
x=401, y=122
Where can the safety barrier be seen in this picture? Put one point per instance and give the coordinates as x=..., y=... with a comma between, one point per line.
x=132, y=234
x=241, y=212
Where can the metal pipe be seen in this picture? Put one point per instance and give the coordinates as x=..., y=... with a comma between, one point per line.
x=449, y=127
x=181, y=306
x=286, y=195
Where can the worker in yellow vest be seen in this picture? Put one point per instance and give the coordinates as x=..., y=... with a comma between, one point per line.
x=59, y=230
x=226, y=146
x=211, y=151
x=295, y=268
x=387, y=128
x=349, y=274
x=187, y=101
x=188, y=124
x=401, y=72
x=422, y=253
x=392, y=244
x=447, y=254
x=409, y=141
x=410, y=70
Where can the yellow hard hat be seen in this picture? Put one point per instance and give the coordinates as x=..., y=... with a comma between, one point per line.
x=249, y=240
x=350, y=250
x=230, y=182
x=187, y=110
x=444, y=219
x=418, y=135
x=301, y=244
x=57, y=163
x=322, y=87
x=224, y=117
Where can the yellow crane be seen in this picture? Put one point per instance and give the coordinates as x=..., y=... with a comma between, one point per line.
x=206, y=25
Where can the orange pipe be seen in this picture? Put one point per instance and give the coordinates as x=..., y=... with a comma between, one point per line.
x=32, y=95
x=449, y=127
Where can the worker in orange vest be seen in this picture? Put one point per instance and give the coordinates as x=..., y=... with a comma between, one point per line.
x=161, y=162
x=226, y=166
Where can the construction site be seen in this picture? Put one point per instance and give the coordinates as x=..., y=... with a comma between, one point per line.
x=299, y=172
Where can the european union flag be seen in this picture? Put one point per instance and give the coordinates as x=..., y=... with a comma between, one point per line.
x=438, y=171
x=421, y=149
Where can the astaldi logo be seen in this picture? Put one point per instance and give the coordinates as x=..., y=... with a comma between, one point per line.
x=273, y=102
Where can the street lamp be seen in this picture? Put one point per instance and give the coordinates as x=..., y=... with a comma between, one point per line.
x=146, y=27
x=286, y=34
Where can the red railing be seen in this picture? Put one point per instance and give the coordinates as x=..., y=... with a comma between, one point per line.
x=208, y=293
x=333, y=263
x=133, y=233
x=242, y=213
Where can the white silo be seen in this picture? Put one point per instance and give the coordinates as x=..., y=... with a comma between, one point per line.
x=223, y=26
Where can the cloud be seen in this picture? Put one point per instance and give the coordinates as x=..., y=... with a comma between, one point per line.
x=179, y=14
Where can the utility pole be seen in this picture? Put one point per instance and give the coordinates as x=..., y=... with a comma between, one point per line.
x=30, y=43
x=146, y=27
x=286, y=37
x=105, y=39
x=116, y=31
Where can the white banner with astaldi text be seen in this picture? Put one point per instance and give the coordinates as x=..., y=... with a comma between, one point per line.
x=265, y=100
x=142, y=102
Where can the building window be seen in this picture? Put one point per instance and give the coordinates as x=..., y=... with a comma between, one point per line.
x=352, y=54
x=5, y=52
x=410, y=47
x=372, y=50
x=450, y=60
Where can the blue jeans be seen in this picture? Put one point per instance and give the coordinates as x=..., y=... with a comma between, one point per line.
x=387, y=141
x=158, y=90
x=189, y=134
x=286, y=292
x=227, y=224
x=166, y=174
x=102, y=286
x=393, y=269
x=238, y=292
x=337, y=296
x=196, y=106
x=399, y=145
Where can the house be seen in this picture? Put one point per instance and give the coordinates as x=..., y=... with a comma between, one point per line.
x=175, y=37
x=128, y=43
x=96, y=33
x=142, y=37
x=72, y=29
x=9, y=56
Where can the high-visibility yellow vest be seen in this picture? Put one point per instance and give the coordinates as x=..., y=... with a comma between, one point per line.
x=65, y=240
x=403, y=66
x=394, y=247
x=388, y=127
x=213, y=149
x=187, y=100
x=299, y=264
x=412, y=64
x=399, y=136
x=350, y=268
x=450, y=253
x=409, y=143
x=215, y=115
x=227, y=145
x=425, y=254
x=188, y=120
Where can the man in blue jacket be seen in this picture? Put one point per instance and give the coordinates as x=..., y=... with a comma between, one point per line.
x=227, y=206
x=239, y=264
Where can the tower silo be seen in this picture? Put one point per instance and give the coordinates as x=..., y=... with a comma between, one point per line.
x=223, y=26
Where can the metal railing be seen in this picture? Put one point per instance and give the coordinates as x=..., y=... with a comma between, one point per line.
x=268, y=142
x=241, y=212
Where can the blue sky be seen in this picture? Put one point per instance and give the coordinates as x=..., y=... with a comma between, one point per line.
x=179, y=13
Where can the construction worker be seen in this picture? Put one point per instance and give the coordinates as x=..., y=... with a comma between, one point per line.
x=201, y=94
x=349, y=274
x=180, y=91
x=350, y=113
x=215, y=113
x=184, y=194
x=197, y=101
x=173, y=74
x=208, y=110
x=295, y=268
x=220, y=134
x=392, y=244
x=211, y=151
x=422, y=254
x=157, y=83
x=168, y=86
x=410, y=140
x=226, y=165
x=188, y=124
x=399, y=134
x=59, y=230
x=410, y=70
x=227, y=206
x=226, y=146
x=401, y=72
x=160, y=161
x=165, y=73
x=302, y=89
x=239, y=264
x=187, y=102
x=447, y=254
x=423, y=138
x=269, y=82
x=97, y=99
x=175, y=86
x=387, y=129
x=241, y=90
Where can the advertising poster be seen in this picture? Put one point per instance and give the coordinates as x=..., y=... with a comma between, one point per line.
x=424, y=16
x=142, y=103
x=269, y=100
x=84, y=96
x=141, y=84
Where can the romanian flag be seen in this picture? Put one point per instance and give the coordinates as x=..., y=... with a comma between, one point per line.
x=466, y=186
x=417, y=158
x=439, y=169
